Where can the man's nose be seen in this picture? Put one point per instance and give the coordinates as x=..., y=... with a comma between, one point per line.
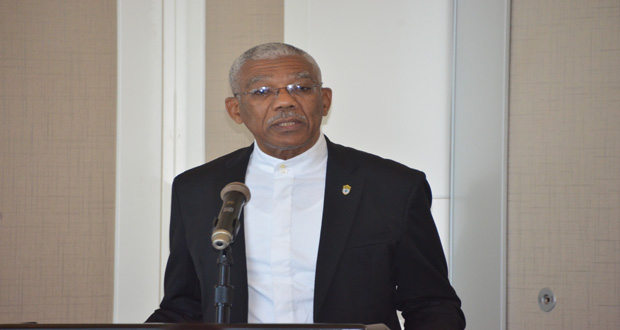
x=284, y=99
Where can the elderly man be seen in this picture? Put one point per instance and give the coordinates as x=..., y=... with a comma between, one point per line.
x=331, y=234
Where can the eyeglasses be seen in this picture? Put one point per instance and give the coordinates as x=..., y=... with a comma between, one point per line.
x=268, y=93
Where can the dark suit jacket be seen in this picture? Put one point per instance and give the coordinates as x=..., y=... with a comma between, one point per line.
x=379, y=250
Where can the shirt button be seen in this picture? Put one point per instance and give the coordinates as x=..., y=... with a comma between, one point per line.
x=283, y=169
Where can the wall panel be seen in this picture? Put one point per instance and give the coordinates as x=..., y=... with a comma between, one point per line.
x=231, y=28
x=57, y=160
x=564, y=164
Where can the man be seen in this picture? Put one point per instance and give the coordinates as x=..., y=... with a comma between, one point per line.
x=330, y=235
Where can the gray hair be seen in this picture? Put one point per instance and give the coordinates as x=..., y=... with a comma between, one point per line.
x=268, y=51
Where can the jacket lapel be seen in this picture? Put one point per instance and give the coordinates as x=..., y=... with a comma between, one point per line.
x=343, y=191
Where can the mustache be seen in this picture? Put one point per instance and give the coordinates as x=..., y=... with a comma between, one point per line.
x=286, y=114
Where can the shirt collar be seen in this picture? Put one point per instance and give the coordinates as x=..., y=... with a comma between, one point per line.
x=310, y=159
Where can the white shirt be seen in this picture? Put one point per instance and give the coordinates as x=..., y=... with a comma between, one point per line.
x=282, y=224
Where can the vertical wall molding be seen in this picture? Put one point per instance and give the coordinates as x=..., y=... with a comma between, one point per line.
x=479, y=160
x=160, y=133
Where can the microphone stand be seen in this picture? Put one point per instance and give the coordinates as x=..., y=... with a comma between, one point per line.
x=225, y=228
x=224, y=291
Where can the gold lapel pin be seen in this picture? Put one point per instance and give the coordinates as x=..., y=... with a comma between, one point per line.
x=346, y=189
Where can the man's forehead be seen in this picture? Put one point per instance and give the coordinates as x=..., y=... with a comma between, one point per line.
x=268, y=77
x=294, y=66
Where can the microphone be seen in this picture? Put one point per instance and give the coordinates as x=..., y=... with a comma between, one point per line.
x=226, y=225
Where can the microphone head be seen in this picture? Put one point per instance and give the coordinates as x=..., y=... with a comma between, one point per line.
x=238, y=187
x=221, y=239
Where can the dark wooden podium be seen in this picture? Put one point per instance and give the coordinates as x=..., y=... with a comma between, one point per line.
x=185, y=326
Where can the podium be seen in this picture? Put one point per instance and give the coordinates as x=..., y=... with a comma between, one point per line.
x=192, y=326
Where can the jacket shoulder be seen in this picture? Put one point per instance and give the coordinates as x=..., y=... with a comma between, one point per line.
x=363, y=161
x=223, y=167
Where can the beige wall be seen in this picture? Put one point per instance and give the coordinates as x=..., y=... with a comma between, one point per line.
x=231, y=28
x=57, y=160
x=564, y=164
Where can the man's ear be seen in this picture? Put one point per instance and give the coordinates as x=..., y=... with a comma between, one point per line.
x=326, y=94
x=232, y=107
